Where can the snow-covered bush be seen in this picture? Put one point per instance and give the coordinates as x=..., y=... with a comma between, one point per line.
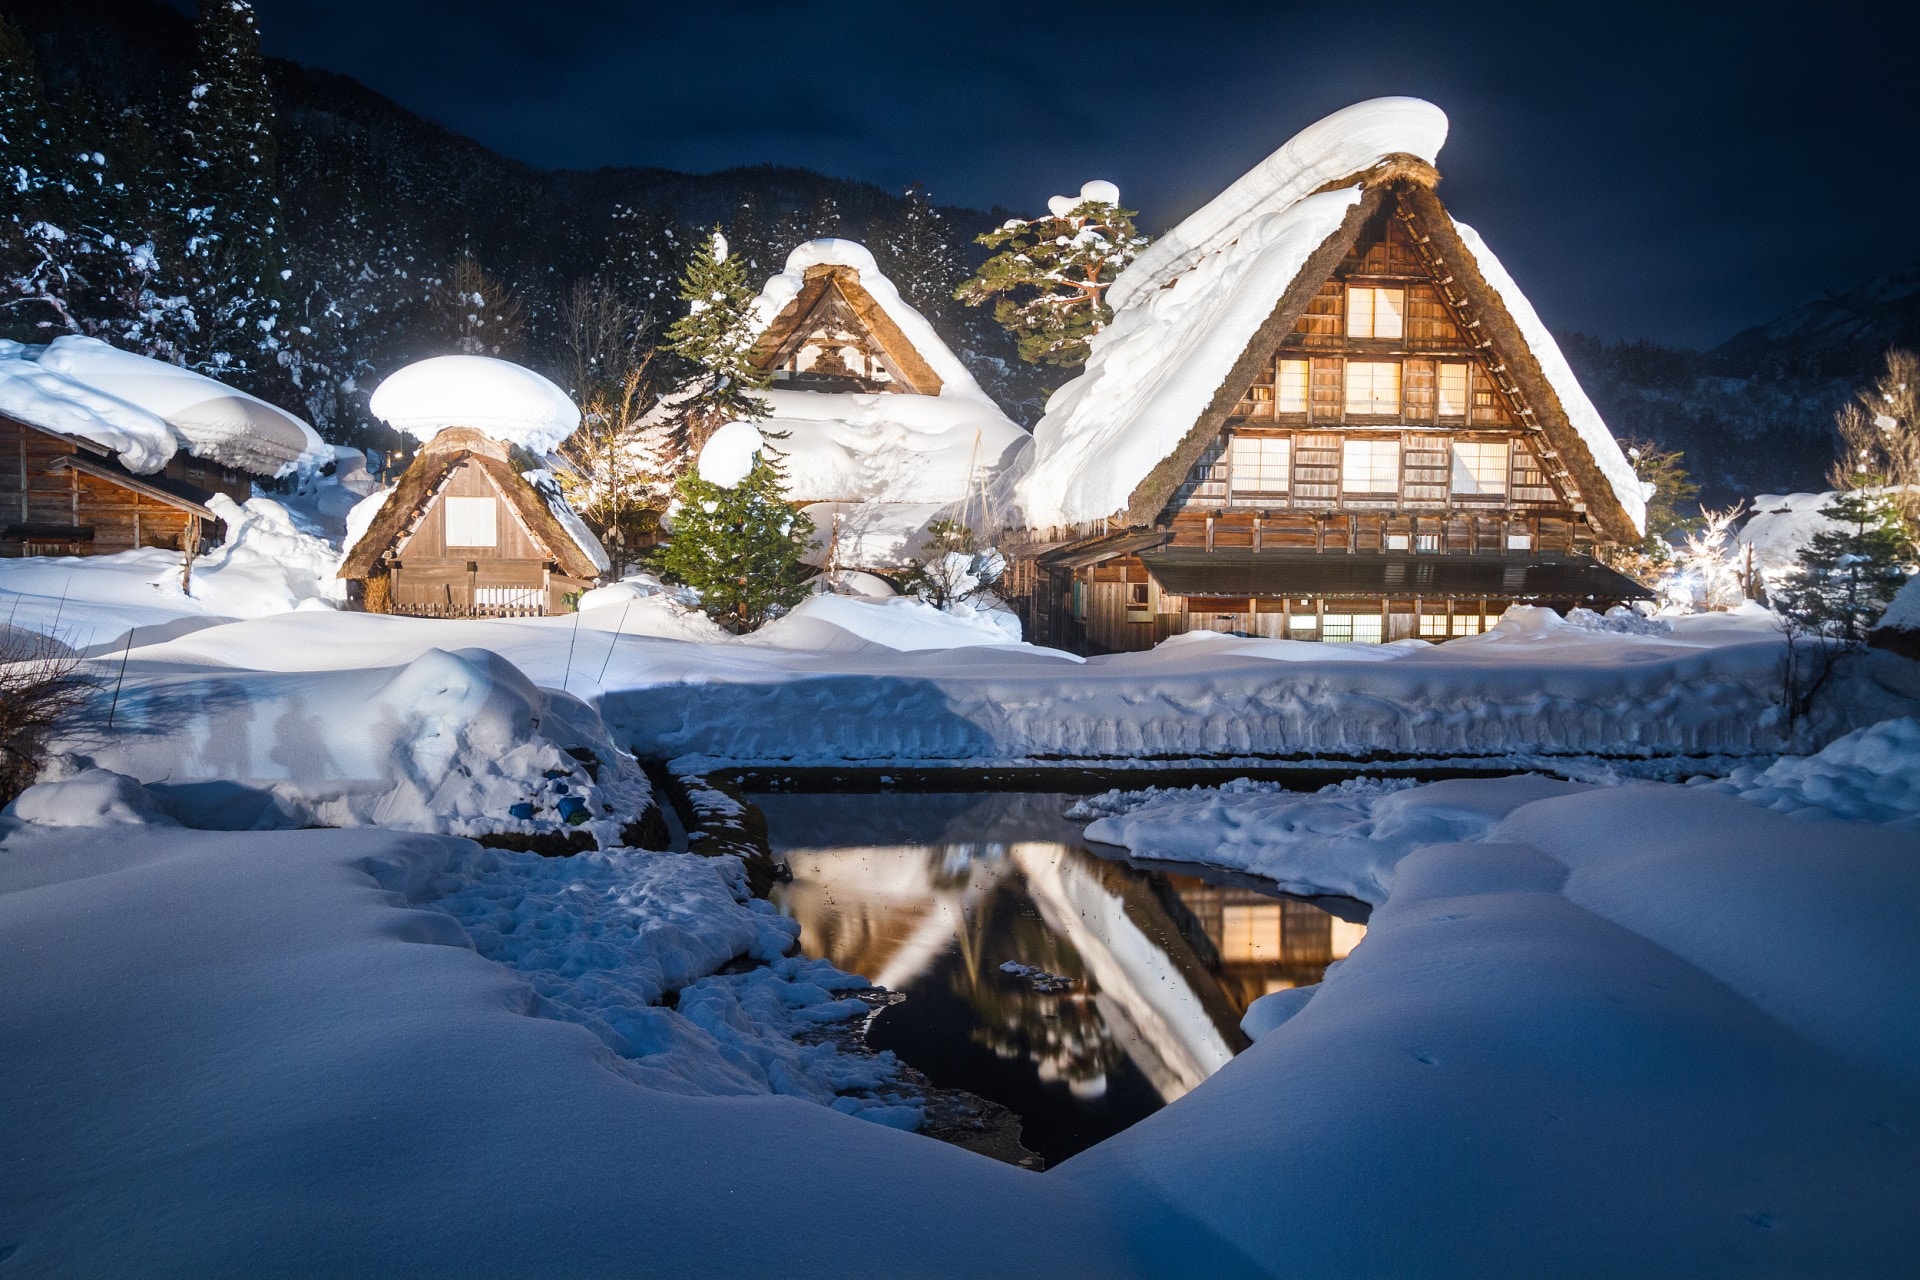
x=952, y=568
x=1709, y=571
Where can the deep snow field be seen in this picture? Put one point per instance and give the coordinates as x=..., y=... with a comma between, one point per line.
x=1596, y=1027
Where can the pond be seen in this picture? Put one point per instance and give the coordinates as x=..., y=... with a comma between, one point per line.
x=1137, y=975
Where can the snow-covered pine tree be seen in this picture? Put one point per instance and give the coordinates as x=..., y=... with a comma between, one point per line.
x=1846, y=578
x=915, y=249
x=1048, y=277
x=34, y=204
x=715, y=340
x=740, y=547
x=232, y=207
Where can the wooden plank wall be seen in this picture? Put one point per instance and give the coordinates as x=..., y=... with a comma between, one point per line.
x=31, y=492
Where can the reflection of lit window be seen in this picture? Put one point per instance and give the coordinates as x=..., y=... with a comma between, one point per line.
x=1250, y=934
x=1356, y=628
x=1346, y=936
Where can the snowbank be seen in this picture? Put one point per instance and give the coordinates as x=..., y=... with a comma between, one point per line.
x=1780, y=526
x=833, y=624
x=283, y=1030
x=459, y=742
x=1871, y=775
x=216, y=421
x=496, y=397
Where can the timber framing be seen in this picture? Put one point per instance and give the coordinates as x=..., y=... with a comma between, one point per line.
x=413, y=496
x=1405, y=184
x=172, y=493
x=914, y=373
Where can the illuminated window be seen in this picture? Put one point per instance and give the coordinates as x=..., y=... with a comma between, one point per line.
x=1261, y=465
x=1303, y=622
x=1351, y=628
x=1370, y=466
x=1376, y=312
x=1468, y=624
x=471, y=522
x=1433, y=626
x=1373, y=388
x=1453, y=390
x=1291, y=385
x=1480, y=466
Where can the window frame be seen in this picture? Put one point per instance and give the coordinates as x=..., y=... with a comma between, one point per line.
x=1372, y=407
x=468, y=504
x=1477, y=449
x=1369, y=328
x=1374, y=486
x=1282, y=386
x=1465, y=401
x=1260, y=444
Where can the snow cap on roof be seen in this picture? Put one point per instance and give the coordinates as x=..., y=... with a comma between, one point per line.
x=215, y=421
x=1187, y=310
x=495, y=397
x=42, y=398
x=782, y=289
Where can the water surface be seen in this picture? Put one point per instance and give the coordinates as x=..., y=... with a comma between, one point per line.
x=930, y=894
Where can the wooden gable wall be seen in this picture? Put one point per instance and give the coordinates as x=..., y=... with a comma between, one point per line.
x=47, y=508
x=428, y=539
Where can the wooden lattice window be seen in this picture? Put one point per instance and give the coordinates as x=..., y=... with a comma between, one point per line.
x=1480, y=467
x=1376, y=311
x=1261, y=468
x=1373, y=388
x=1370, y=466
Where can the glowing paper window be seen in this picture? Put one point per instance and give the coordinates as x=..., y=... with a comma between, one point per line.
x=1373, y=388
x=1261, y=465
x=1453, y=390
x=1480, y=466
x=1376, y=312
x=1370, y=466
x=1290, y=386
x=471, y=522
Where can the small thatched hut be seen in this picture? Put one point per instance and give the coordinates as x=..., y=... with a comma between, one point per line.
x=464, y=534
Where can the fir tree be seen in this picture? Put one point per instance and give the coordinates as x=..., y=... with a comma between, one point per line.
x=1846, y=578
x=740, y=547
x=474, y=312
x=915, y=249
x=714, y=337
x=232, y=213
x=35, y=248
x=1048, y=277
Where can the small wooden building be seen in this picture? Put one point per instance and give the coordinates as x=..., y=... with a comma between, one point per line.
x=103, y=450
x=465, y=535
x=1384, y=442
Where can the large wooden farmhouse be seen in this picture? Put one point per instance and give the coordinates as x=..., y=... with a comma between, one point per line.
x=882, y=428
x=464, y=533
x=108, y=451
x=1322, y=412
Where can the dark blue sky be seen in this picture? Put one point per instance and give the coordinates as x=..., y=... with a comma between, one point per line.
x=1670, y=171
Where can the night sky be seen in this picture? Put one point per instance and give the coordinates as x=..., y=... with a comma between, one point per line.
x=1670, y=171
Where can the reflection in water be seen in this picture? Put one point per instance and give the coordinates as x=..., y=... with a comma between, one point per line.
x=930, y=894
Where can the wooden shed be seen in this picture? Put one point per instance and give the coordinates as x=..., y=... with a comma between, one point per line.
x=65, y=496
x=464, y=535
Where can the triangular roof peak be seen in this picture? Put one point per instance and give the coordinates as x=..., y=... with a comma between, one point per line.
x=836, y=287
x=1208, y=303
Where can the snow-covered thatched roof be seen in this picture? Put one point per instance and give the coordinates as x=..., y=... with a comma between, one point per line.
x=939, y=438
x=1201, y=309
x=146, y=410
x=497, y=398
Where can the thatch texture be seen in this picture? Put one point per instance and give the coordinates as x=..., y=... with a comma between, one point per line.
x=422, y=483
x=915, y=374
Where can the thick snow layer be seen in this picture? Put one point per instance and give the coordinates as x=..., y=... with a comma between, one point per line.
x=90, y=798
x=457, y=742
x=886, y=447
x=729, y=454
x=1903, y=614
x=1871, y=774
x=1586, y=420
x=272, y=1054
x=881, y=534
x=1547, y=1005
x=1154, y=369
x=838, y=624
x=495, y=397
x=41, y=397
x=1187, y=307
x=217, y=422
x=1342, y=145
x=1780, y=526
x=548, y=487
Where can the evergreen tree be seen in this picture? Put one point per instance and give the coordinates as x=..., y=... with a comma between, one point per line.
x=1665, y=475
x=716, y=340
x=475, y=313
x=232, y=208
x=915, y=249
x=35, y=248
x=643, y=265
x=1049, y=276
x=740, y=547
x=824, y=220
x=1846, y=578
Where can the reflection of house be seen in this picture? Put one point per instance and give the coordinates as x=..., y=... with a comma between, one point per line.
x=885, y=429
x=1323, y=411
x=1260, y=943
x=109, y=451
